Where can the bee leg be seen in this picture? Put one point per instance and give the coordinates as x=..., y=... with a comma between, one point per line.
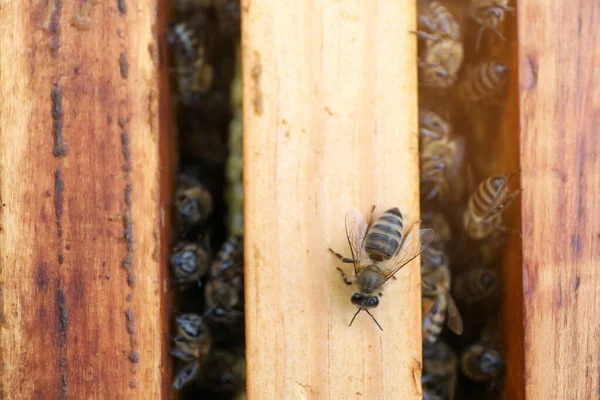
x=425, y=35
x=510, y=230
x=341, y=257
x=344, y=276
x=370, y=221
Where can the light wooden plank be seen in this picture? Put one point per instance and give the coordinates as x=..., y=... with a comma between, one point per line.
x=330, y=119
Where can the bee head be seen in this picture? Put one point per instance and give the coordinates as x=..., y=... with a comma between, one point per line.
x=364, y=301
x=491, y=362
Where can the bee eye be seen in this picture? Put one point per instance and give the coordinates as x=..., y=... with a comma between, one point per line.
x=373, y=301
x=356, y=298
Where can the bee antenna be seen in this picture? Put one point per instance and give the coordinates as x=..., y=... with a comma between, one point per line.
x=374, y=319
x=355, y=314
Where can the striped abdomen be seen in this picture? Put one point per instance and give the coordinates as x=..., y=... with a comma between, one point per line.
x=433, y=322
x=474, y=285
x=489, y=195
x=483, y=81
x=385, y=235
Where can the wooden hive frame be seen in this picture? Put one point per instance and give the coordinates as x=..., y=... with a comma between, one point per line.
x=330, y=119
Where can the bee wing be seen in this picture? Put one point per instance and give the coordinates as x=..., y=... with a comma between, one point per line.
x=454, y=320
x=356, y=231
x=413, y=245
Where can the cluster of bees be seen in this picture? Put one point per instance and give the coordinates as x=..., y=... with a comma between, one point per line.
x=462, y=80
x=207, y=337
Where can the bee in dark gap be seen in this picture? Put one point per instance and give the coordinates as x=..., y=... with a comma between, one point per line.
x=482, y=82
x=193, y=203
x=440, y=371
x=442, y=310
x=483, y=215
x=481, y=362
x=474, y=285
x=190, y=262
x=441, y=61
x=437, y=22
x=191, y=345
x=379, y=249
x=489, y=14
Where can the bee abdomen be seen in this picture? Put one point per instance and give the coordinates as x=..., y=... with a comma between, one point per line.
x=433, y=323
x=474, y=285
x=483, y=81
x=385, y=235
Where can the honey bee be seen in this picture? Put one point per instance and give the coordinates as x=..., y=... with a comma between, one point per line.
x=190, y=326
x=474, y=285
x=435, y=261
x=440, y=371
x=440, y=162
x=379, y=250
x=440, y=225
x=225, y=290
x=193, y=203
x=480, y=362
x=440, y=64
x=483, y=215
x=228, y=14
x=183, y=40
x=489, y=14
x=442, y=307
x=223, y=372
x=432, y=126
x=437, y=22
x=482, y=82
x=189, y=262
x=192, y=345
x=229, y=258
x=186, y=374
x=189, y=348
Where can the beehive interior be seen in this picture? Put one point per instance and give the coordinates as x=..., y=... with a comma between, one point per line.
x=207, y=104
x=490, y=129
x=206, y=259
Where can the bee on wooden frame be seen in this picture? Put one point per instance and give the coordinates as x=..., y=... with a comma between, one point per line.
x=483, y=215
x=489, y=14
x=379, y=249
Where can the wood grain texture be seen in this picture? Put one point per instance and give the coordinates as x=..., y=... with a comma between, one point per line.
x=330, y=119
x=81, y=265
x=559, y=73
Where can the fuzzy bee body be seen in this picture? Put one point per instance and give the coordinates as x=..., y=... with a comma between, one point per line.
x=440, y=371
x=434, y=319
x=482, y=82
x=474, y=285
x=441, y=63
x=483, y=215
x=489, y=14
x=379, y=250
x=480, y=362
x=439, y=21
x=193, y=203
x=189, y=262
